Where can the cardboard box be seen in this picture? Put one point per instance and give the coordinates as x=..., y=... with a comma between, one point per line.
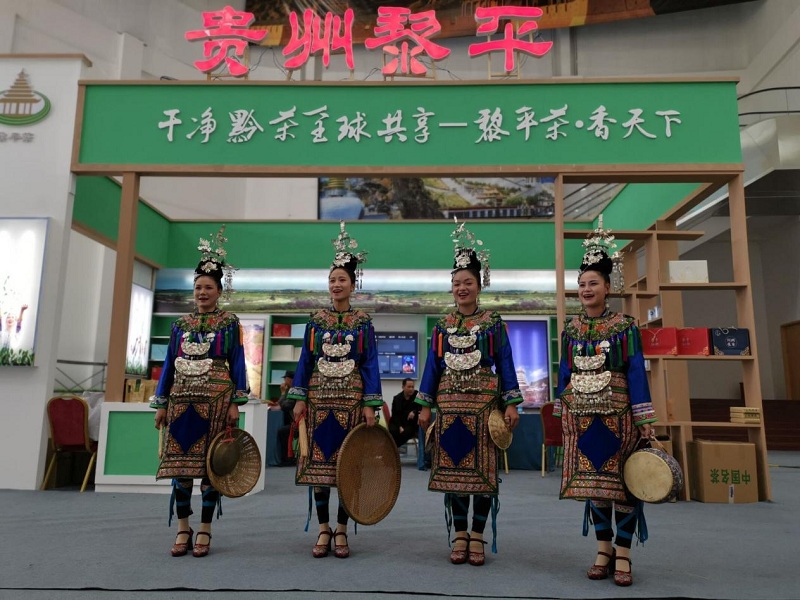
x=746, y=420
x=722, y=471
x=687, y=271
x=281, y=330
x=139, y=390
x=694, y=341
x=746, y=414
x=660, y=340
x=730, y=341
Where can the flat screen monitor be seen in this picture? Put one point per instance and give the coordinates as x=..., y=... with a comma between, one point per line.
x=530, y=344
x=397, y=354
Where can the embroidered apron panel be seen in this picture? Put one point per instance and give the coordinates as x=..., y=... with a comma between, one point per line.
x=596, y=446
x=334, y=408
x=464, y=457
x=195, y=414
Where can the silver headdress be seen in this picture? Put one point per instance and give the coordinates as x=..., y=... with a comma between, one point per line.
x=465, y=255
x=346, y=257
x=213, y=262
x=600, y=255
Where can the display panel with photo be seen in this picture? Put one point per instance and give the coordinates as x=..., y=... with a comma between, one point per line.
x=355, y=198
x=253, y=340
x=397, y=354
x=530, y=344
x=22, y=242
x=141, y=315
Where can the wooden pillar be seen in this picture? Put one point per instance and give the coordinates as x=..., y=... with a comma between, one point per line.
x=561, y=300
x=744, y=308
x=123, y=280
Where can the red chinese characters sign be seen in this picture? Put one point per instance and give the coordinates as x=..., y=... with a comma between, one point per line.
x=404, y=36
x=319, y=35
x=225, y=29
x=489, y=22
x=401, y=25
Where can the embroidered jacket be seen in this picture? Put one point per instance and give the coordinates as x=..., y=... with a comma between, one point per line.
x=492, y=341
x=227, y=345
x=583, y=336
x=363, y=349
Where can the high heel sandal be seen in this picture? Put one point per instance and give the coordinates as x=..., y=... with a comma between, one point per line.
x=340, y=550
x=181, y=549
x=458, y=556
x=322, y=550
x=477, y=558
x=623, y=578
x=601, y=571
x=201, y=550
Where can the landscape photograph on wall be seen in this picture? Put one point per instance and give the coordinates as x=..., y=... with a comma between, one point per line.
x=299, y=291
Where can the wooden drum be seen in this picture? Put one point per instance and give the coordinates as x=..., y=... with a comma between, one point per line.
x=652, y=475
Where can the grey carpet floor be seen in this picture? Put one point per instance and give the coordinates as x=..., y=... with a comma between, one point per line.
x=62, y=544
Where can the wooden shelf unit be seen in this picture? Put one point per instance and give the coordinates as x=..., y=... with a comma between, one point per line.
x=669, y=375
x=273, y=362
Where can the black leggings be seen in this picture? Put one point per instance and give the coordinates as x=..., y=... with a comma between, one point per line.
x=322, y=498
x=183, y=498
x=624, y=514
x=480, y=512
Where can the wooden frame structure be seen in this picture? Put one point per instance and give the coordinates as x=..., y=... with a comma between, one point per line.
x=659, y=242
x=669, y=378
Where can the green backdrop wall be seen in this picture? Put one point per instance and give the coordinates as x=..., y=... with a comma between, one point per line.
x=514, y=244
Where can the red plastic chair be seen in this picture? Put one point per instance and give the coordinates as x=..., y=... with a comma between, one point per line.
x=69, y=430
x=553, y=438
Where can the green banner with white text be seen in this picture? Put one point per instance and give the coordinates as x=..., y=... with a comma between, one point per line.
x=274, y=126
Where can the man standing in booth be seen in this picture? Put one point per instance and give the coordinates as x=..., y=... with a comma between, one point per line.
x=403, y=422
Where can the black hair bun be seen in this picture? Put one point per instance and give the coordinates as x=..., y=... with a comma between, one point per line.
x=348, y=262
x=467, y=259
x=603, y=265
x=209, y=268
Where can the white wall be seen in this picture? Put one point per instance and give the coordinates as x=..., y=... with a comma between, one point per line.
x=88, y=287
x=37, y=183
x=781, y=293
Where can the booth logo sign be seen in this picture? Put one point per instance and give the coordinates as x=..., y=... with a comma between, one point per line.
x=21, y=104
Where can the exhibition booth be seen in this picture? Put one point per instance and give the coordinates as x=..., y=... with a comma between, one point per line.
x=669, y=144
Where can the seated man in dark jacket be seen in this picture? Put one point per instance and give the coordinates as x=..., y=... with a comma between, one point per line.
x=403, y=422
x=287, y=406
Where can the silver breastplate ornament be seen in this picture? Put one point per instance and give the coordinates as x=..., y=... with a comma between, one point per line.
x=334, y=362
x=465, y=357
x=591, y=384
x=195, y=361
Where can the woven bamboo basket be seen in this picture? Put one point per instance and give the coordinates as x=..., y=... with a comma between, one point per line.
x=368, y=474
x=234, y=463
x=429, y=438
x=501, y=435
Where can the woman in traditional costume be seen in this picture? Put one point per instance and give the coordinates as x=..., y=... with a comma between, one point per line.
x=336, y=386
x=203, y=382
x=468, y=374
x=605, y=408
